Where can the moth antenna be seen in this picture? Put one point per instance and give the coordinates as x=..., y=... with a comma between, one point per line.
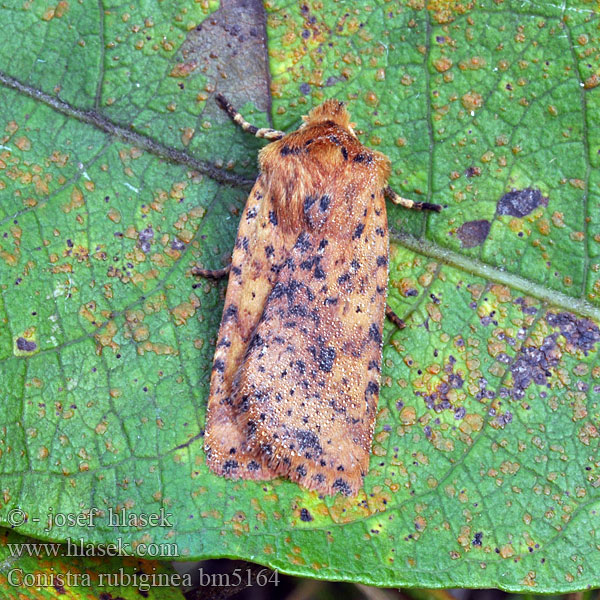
x=236, y=117
x=411, y=204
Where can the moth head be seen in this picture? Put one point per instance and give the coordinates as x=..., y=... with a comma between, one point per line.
x=331, y=110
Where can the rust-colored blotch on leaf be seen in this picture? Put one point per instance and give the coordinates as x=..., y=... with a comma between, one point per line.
x=296, y=372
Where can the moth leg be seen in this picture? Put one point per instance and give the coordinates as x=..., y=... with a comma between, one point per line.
x=394, y=318
x=236, y=117
x=211, y=273
x=397, y=199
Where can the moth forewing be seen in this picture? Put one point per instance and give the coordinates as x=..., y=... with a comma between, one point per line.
x=296, y=373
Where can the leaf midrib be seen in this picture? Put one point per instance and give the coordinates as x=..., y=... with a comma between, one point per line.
x=126, y=134
x=495, y=275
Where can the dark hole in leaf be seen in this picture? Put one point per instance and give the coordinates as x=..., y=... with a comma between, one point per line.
x=473, y=233
x=26, y=345
x=581, y=333
x=305, y=515
x=520, y=203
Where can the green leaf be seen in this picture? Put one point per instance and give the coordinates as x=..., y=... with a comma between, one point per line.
x=118, y=175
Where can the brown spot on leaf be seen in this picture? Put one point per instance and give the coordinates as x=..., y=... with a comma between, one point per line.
x=445, y=11
x=592, y=81
x=473, y=171
x=472, y=101
x=442, y=64
x=473, y=233
x=519, y=203
x=183, y=69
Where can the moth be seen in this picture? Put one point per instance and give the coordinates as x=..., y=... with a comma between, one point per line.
x=297, y=366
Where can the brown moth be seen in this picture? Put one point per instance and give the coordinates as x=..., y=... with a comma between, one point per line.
x=297, y=367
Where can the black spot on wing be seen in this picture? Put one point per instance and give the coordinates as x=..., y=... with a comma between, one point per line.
x=242, y=242
x=286, y=150
x=230, y=465
x=308, y=441
x=298, y=310
x=307, y=264
x=371, y=390
x=266, y=449
x=363, y=157
x=326, y=358
x=358, y=231
x=255, y=342
x=341, y=485
x=308, y=203
x=279, y=290
x=303, y=242
x=375, y=333
x=230, y=312
x=315, y=209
